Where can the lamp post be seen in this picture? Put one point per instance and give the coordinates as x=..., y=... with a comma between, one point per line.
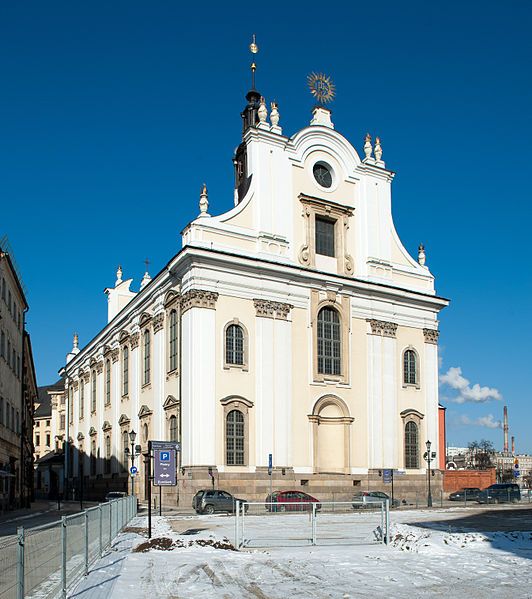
x=134, y=454
x=428, y=457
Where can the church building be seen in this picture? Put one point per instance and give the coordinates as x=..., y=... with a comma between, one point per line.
x=294, y=325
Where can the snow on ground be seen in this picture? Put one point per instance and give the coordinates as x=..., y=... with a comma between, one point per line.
x=420, y=562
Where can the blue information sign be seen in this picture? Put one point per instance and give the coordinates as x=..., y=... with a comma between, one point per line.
x=270, y=463
x=133, y=470
x=387, y=476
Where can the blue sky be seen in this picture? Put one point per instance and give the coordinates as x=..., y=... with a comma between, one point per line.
x=112, y=114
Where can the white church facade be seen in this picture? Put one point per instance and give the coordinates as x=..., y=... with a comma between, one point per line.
x=295, y=325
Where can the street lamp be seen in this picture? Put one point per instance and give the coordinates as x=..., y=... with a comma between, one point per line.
x=135, y=452
x=428, y=457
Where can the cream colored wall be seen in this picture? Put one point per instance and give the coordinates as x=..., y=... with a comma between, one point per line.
x=234, y=381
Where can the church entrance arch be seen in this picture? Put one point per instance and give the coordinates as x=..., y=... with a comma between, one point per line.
x=331, y=425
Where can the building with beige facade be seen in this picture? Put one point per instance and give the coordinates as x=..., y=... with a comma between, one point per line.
x=18, y=389
x=295, y=325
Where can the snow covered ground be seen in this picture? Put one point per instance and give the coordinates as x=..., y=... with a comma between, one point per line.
x=428, y=559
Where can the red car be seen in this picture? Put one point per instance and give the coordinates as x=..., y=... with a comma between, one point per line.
x=291, y=501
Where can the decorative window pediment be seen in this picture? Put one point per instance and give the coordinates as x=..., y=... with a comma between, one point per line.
x=92, y=431
x=145, y=411
x=80, y=437
x=123, y=420
x=236, y=398
x=170, y=298
x=145, y=318
x=107, y=426
x=412, y=413
x=170, y=402
x=123, y=336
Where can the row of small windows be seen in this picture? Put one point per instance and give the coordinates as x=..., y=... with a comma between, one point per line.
x=11, y=304
x=9, y=417
x=10, y=355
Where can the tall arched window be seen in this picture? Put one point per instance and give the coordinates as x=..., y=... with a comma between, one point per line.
x=329, y=344
x=234, y=345
x=125, y=370
x=93, y=457
x=410, y=367
x=234, y=434
x=145, y=433
x=93, y=391
x=108, y=454
x=81, y=398
x=107, y=382
x=125, y=449
x=172, y=353
x=146, y=378
x=411, y=445
x=172, y=426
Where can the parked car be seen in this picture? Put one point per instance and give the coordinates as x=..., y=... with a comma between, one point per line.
x=366, y=499
x=291, y=501
x=500, y=493
x=208, y=501
x=467, y=493
x=111, y=495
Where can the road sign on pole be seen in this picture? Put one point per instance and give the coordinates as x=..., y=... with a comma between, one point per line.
x=164, y=461
x=133, y=470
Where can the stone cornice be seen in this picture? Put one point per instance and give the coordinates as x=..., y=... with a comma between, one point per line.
x=431, y=336
x=270, y=309
x=86, y=377
x=382, y=327
x=158, y=322
x=197, y=298
x=114, y=355
x=99, y=367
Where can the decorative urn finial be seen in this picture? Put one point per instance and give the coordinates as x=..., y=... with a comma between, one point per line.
x=118, y=275
x=76, y=341
x=368, y=148
x=146, y=278
x=378, y=149
x=421, y=254
x=204, y=201
x=263, y=111
x=274, y=114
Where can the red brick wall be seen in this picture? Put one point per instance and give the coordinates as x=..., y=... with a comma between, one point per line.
x=453, y=480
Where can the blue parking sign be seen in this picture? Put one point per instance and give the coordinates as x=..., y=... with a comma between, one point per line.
x=164, y=456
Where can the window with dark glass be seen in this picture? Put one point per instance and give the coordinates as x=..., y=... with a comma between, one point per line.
x=329, y=344
x=125, y=370
x=411, y=445
x=235, y=438
x=108, y=382
x=172, y=363
x=93, y=458
x=409, y=367
x=125, y=449
x=108, y=454
x=325, y=236
x=173, y=428
x=146, y=378
x=234, y=344
x=93, y=391
x=81, y=398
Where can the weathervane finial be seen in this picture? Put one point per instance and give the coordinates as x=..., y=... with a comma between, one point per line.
x=253, y=48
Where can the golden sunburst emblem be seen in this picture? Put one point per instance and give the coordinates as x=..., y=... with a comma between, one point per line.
x=321, y=87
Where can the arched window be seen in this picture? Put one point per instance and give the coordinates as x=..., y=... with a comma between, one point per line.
x=234, y=345
x=172, y=350
x=93, y=391
x=81, y=398
x=145, y=433
x=107, y=382
x=410, y=367
x=93, y=457
x=125, y=449
x=146, y=378
x=411, y=445
x=108, y=454
x=172, y=426
x=329, y=344
x=234, y=434
x=125, y=370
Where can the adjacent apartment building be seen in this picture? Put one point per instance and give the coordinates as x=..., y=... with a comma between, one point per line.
x=18, y=390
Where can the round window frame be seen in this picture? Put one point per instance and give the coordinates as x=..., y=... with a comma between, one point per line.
x=332, y=172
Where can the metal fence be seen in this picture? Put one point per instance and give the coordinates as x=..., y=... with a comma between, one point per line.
x=263, y=524
x=45, y=561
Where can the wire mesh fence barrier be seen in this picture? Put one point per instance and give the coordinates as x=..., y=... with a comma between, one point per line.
x=263, y=524
x=43, y=562
x=8, y=568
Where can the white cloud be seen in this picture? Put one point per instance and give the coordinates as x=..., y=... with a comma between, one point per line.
x=466, y=393
x=486, y=421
